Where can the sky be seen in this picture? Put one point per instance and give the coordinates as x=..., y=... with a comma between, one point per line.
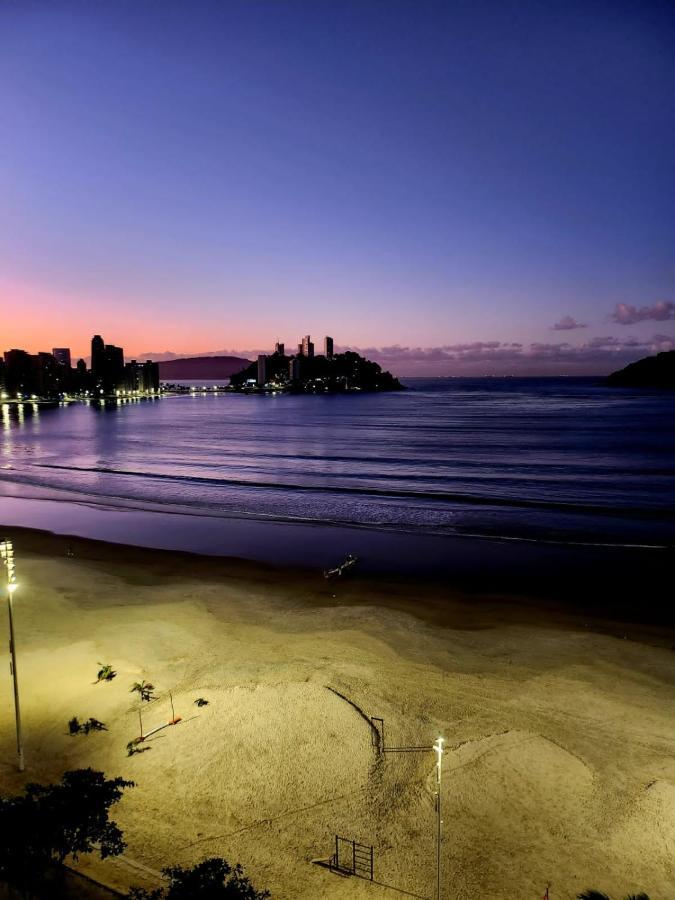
x=457, y=188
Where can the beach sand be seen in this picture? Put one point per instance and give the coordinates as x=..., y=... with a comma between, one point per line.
x=560, y=727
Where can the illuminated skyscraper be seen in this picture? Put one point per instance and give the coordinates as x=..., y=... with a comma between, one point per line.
x=307, y=346
x=142, y=377
x=62, y=356
x=262, y=370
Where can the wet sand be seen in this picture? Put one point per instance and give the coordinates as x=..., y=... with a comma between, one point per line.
x=560, y=723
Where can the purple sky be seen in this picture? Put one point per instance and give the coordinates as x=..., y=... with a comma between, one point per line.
x=457, y=188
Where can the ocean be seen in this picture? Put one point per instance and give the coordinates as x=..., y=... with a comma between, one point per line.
x=503, y=463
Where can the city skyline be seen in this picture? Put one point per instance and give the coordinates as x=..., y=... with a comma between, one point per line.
x=456, y=177
x=597, y=356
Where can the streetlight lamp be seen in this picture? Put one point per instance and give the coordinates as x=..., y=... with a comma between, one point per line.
x=438, y=750
x=7, y=556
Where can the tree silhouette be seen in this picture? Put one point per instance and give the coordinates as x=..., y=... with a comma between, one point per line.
x=48, y=823
x=598, y=895
x=212, y=879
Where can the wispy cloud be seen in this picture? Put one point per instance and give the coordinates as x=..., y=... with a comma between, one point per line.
x=625, y=314
x=567, y=323
x=598, y=356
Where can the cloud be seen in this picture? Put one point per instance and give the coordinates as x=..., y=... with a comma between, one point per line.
x=625, y=314
x=597, y=356
x=567, y=323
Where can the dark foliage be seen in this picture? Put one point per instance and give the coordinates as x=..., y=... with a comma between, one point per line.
x=144, y=690
x=77, y=727
x=105, y=673
x=212, y=879
x=49, y=823
x=344, y=372
x=93, y=725
x=74, y=726
x=652, y=371
x=598, y=895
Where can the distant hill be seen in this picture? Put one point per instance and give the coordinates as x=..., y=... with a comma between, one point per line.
x=196, y=367
x=651, y=372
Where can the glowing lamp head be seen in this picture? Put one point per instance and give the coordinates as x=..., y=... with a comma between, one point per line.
x=12, y=587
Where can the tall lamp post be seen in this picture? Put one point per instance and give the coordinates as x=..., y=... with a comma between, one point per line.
x=7, y=556
x=438, y=750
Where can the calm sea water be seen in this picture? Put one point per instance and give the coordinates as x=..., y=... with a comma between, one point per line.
x=551, y=461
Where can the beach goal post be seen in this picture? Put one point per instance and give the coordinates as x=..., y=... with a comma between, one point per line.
x=174, y=720
x=352, y=858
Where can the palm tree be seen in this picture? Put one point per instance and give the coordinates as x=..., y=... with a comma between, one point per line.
x=105, y=673
x=144, y=690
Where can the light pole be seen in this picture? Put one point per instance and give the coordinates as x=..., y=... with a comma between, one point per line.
x=438, y=750
x=7, y=556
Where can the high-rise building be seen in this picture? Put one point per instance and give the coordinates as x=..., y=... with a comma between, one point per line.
x=262, y=370
x=62, y=356
x=49, y=375
x=294, y=369
x=142, y=377
x=27, y=375
x=114, y=357
x=81, y=380
x=97, y=356
x=328, y=347
x=279, y=348
x=19, y=373
x=107, y=366
x=307, y=346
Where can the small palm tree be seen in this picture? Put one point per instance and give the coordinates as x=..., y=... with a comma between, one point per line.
x=105, y=673
x=94, y=725
x=144, y=689
x=74, y=726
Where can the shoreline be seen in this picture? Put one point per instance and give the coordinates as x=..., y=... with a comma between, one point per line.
x=613, y=582
x=436, y=600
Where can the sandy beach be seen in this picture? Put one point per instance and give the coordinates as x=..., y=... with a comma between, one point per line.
x=560, y=726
